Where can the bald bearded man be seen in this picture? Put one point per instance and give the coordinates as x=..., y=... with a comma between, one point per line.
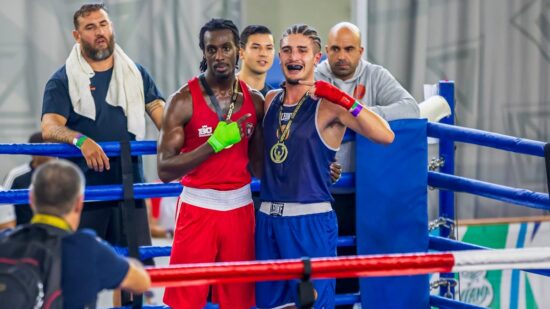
x=376, y=88
x=370, y=83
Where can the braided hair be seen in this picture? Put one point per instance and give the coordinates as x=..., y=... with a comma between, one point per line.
x=305, y=30
x=213, y=25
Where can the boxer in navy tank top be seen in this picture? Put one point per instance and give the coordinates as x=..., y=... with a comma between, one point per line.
x=303, y=127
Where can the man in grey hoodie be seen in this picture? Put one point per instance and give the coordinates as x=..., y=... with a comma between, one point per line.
x=376, y=88
x=369, y=83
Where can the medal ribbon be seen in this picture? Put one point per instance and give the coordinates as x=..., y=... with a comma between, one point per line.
x=289, y=123
x=215, y=102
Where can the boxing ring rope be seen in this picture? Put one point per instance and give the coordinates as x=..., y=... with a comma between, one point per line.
x=522, y=197
x=148, y=252
x=350, y=266
x=486, y=139
x=435, y=243
x=111, y=149
x=440, y=180
x=444, y=181
x=353, y=266
x=141, y=190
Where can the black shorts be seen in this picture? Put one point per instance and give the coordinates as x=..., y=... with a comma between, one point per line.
x=107, y=220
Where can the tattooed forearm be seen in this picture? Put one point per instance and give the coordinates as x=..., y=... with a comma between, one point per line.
x=54, y=129
x=151, y=107
x=59, y=134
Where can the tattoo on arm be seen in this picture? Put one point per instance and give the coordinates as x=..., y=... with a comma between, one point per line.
x=151, y=107
x=62, y=134
x=54, y=129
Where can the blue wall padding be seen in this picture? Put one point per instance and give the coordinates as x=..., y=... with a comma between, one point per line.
x=392, y=214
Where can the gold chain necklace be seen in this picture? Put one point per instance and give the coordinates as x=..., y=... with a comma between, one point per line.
x=234, y=97
x=279, y=151
x=215, y=102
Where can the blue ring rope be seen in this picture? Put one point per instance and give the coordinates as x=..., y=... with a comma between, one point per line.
x=141, y=190
x=511, y=195
x=449, y=182
x=111, y=149
x=486, y=139
x=438, y=130
x=148, y=252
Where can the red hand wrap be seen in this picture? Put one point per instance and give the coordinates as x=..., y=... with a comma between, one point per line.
x=328, y=91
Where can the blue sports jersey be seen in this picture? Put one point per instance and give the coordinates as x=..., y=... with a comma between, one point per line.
x=89, y=266
x=110, y=123
x=304, y=176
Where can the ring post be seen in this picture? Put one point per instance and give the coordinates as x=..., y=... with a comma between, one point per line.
x=391, y=214
x=547, y=163
x=447, y=152
x=128, y=214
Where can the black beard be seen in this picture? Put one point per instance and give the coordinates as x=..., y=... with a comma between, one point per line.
x=293, y=81
x=99, y=54
x=222, y=76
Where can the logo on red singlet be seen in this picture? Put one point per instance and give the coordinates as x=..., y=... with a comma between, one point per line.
x=249, y=129
x=205, y=131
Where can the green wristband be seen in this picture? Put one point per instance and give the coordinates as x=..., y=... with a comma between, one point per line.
x=79, y=140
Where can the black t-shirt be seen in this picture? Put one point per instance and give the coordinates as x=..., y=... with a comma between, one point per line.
x=110, y=123
x=23, y=212
x=266, y=89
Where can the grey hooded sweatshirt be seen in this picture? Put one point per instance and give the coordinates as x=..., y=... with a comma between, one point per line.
x=376, y=88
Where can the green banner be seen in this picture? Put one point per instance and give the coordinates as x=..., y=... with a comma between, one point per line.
x=512, y=289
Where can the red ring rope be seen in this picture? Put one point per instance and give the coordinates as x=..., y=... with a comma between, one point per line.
x=213, y=273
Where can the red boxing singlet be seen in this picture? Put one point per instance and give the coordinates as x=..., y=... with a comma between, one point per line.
x=227, y=169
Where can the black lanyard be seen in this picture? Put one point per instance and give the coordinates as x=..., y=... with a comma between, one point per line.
x=215, y=102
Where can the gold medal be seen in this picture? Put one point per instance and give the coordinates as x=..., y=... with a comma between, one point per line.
x=278, y=153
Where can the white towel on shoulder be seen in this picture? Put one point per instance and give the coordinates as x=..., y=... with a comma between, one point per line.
x=125, y=88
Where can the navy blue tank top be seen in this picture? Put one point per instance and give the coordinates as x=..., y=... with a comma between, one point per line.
x=304, y=176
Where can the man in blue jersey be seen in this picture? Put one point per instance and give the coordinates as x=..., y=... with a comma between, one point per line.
x=101, y=95
x=304, y=126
